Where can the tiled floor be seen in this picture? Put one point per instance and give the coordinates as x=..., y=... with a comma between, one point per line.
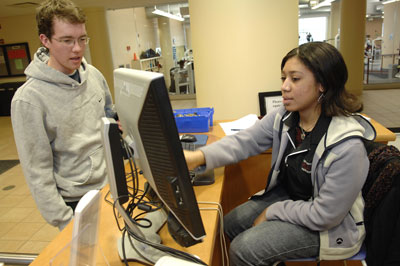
x=383, y=106
x=23, y=230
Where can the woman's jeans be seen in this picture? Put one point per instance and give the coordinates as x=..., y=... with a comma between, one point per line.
x=270, y=241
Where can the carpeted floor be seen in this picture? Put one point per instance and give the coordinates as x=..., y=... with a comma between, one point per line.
x=7, y=164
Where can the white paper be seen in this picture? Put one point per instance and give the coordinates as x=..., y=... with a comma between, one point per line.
x=234, y=127
x=272, y=103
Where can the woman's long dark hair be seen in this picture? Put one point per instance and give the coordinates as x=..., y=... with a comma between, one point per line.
x=329, y=69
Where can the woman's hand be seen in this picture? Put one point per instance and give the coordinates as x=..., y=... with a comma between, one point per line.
x=194, y=158
x=261, y=218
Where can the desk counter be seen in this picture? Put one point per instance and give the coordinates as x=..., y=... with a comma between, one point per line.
x=249, y=175
x=109, y=233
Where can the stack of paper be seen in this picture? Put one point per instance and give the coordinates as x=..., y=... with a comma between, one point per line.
x=234, y=127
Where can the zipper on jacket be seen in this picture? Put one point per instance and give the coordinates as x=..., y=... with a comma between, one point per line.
x=294, y=153
x=290, y=139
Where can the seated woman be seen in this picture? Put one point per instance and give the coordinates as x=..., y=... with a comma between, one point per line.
x=312, y=205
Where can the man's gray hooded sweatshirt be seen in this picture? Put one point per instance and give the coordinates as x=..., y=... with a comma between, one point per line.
x=57, y=128
x=339, y=170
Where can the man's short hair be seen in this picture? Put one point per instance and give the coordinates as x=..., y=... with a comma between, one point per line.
x=64, y=10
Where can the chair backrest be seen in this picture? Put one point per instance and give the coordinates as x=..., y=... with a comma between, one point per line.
x=384, y=166
x=381, y=193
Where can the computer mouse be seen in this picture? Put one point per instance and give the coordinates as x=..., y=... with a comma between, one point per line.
x=188, y=138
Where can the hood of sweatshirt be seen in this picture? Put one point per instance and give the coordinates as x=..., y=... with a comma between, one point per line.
x=342, y=128
x=39, y=69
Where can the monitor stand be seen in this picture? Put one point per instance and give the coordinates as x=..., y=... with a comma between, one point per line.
x=116, y=176
x=140, y=251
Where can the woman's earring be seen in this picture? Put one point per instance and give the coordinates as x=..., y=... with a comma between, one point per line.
x=321, y=97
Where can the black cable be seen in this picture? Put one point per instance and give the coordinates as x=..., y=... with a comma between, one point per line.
x=138, y=252
x=134, y=174
x=123, y=247
x=168, y=250
x=132, y=161
x=115, y=215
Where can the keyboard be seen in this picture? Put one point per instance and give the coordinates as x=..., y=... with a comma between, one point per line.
x=191, y=146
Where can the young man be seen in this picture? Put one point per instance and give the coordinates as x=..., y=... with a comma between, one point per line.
x=56, y=115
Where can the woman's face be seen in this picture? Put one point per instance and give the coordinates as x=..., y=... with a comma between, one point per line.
x=300, y=90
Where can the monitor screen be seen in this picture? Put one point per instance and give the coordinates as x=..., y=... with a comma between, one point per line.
x=146, y=116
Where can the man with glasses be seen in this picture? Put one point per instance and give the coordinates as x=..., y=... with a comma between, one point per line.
x=56, y=115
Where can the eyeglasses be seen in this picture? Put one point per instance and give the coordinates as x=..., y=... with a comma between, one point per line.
x=71, y=42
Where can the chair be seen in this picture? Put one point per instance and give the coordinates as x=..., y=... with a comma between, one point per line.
x=361, y=255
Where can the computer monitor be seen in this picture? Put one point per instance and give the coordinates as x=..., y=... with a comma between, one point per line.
x=146, y=116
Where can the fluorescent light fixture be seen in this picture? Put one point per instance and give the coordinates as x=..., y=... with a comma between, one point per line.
x=390, y=1
x=323, y=3
x=167, y=14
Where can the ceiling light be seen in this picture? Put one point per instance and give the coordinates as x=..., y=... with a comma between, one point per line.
x=323, y=3
x=390, y=1
x=167, y=14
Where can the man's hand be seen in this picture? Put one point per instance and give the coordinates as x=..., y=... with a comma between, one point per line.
x=261, y=218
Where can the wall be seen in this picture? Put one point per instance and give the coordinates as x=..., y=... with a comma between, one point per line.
x=391, y=32
x=24, y=29
x=100, y=51
x=122, y=35
x=164, y=31
x=131, y=28
x=188, y=34
x=373, y=28
x=238, y=47
x=177, y=32
x=352, y=40
x=177, y=37
x=334, y=22
x=146, y=30
x=122, y=29
x=19, y=29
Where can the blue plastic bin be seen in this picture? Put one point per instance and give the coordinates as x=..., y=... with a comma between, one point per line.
x=194, y=120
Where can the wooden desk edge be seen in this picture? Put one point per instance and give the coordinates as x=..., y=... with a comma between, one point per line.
x=383, y=135
x=211, y=226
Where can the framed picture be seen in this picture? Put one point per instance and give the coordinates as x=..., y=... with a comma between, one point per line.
x=3, y=65
x=269, y=101
x=14, y=58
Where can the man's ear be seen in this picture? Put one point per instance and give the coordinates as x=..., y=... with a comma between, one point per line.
x=44, y=40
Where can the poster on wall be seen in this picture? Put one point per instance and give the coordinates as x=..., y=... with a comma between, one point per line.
x=14, y=58
x=269, y=101
x=3, y=66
